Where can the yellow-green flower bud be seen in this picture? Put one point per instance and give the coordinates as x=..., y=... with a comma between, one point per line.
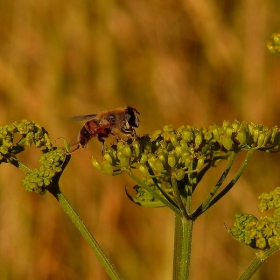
x=241, y=137
x=119, y=153
x=124, y=161
x=143, y=159
x=267, y=137
x=187, y=135
x=178, y=151
x=174, y=141
x=235, y=126
x=180, y=174
x=200, y=163
x=251, y=127
x=151, y=161
x=171, y=160
x=216, y=134
x=256, y=132
x=127, y=151
x=144, y=170
x=96, y=164
x=120, y=145
x=168, y=128
x=227, y=143
x=158, y=166
x=107, y=167
x=162, y=156
x=261, y=139
x=184, y=146
x=275, y=137
x=166, y=136
x=136, y=148
x=187, y=159
x=229, y=131
x=156, y=134
x=261, y=243
x=198, y=140
x=108, y=158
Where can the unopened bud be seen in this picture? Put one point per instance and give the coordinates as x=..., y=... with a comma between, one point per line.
x=171, y=160
x=144, y=170
x=187, y=135
x=158, y=166
x=124, y=161
x=198, y=140
x=241, y=137
x=174, y=140
x=261, y=139
x=107, y=167
x=227, y=143
x=136, y=148
x=96, y=164
x=200, y=163
x=180, y=174
x=127, y=151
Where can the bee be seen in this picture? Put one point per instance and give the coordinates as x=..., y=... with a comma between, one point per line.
x=111, y=122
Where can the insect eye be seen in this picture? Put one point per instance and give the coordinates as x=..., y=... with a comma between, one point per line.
x=131, y=116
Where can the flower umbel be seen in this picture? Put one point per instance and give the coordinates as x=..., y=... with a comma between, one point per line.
x=185, y=154
x=40, y=179
x=264, y=233
x=29, y=132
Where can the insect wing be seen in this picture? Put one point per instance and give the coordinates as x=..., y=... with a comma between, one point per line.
x=83, y=117
x=75, y=140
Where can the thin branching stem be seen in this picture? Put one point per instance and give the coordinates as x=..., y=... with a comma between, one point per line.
x=234, y=180
x=204, y=206
x=178, y=197
x=85, y=233
x=15, y=162
x=140, y=182
x=259, y=259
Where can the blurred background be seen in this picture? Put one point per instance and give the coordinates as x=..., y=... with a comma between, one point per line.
x=192, y=62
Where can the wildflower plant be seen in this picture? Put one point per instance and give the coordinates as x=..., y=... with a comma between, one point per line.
x=167, y=167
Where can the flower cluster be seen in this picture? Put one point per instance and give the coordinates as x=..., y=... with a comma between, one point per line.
x=39, y=179
x=171, y=153
x=265, y=232
x=274, y=46
x=186, y=149
x=29, y=132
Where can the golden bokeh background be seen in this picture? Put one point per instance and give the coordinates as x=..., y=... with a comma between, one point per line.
x=178, y=62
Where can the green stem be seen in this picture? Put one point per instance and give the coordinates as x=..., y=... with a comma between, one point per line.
x=85, y=233
x=204, y=206
x=182, y=248
x=178, y=198
x=234, y=180
x=155, y=194
x=14, y=161
x=261, y=257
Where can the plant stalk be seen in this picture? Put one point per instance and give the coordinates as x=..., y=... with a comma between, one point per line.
x=182, y=247
x=261, y=257
x=85, y=233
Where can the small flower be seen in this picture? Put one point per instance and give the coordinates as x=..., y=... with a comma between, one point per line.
x=39, y=179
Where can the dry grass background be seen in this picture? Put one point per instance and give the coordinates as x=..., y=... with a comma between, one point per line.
x=179, y=62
